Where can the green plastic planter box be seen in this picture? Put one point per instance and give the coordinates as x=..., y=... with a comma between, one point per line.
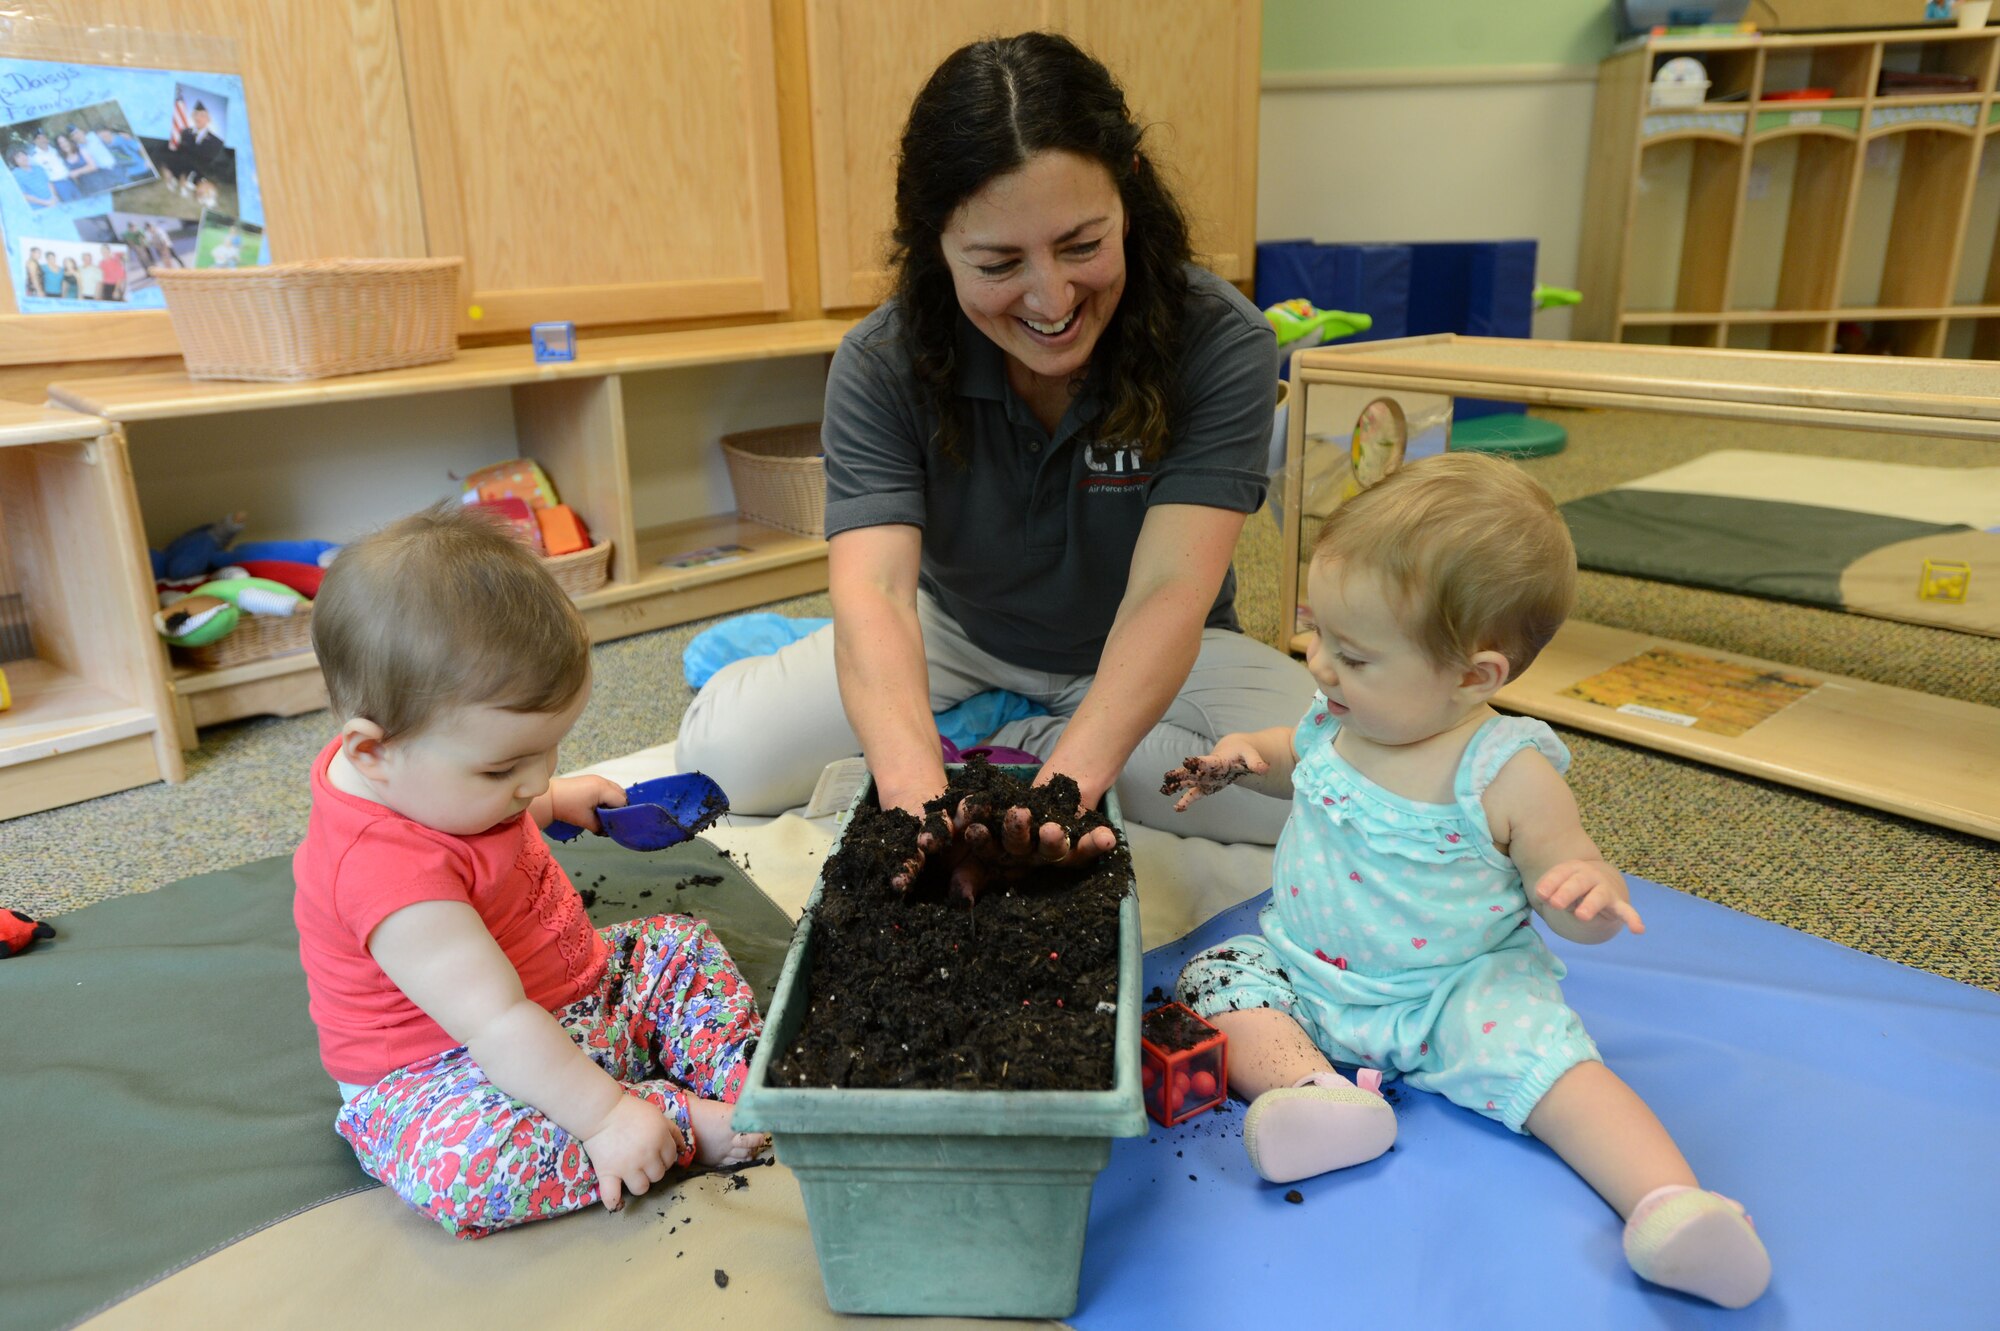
x=967, y=1203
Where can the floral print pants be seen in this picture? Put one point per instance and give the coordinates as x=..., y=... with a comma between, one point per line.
x=670, y=1018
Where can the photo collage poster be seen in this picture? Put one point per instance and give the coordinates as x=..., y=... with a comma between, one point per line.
x=118, y=173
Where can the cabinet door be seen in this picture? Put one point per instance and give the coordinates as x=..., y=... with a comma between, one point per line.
x=608, y=162
x=867, y=59
x=1190, y=72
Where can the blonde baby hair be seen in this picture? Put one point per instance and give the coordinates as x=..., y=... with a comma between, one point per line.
x=1472, y=552
x=444, y=609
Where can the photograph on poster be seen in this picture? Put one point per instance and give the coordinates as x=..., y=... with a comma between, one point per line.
x=128, y=158
x=75, y=154
x=77, y=270
x=226, y=242
x=151, y=241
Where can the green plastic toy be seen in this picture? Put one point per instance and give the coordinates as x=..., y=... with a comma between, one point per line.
x=1299, y=325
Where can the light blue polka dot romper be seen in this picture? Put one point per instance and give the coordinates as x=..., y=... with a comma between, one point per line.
x=1399, y=936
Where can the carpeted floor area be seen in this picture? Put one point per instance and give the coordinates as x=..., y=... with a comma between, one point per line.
x=1904, y=890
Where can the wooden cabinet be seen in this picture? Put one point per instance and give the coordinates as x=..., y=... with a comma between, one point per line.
x=1190, y=74
x=1860, y=216
x=612, y=162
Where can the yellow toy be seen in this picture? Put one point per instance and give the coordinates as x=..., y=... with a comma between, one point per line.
x=1944, y=580
x=6, y=698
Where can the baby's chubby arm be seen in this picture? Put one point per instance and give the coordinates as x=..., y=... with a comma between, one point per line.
x=575, y=800
x=440, y=955
x=1571, y=886
x=1260, y=759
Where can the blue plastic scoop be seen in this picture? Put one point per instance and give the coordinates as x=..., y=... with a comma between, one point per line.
x=659, y=813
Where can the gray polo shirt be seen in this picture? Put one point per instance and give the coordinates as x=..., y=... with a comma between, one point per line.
x=1028, y=542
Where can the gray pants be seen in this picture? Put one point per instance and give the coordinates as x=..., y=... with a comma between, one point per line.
x=763, y=727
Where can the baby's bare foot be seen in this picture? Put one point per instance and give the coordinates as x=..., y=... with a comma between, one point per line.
x=716, y=1143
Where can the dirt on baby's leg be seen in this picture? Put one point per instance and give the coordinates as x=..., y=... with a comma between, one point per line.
x=716, y=1143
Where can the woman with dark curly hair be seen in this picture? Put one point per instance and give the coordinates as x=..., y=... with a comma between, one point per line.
x=1039, y=453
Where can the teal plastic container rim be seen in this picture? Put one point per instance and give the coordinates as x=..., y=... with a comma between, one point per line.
x=1117, y=1112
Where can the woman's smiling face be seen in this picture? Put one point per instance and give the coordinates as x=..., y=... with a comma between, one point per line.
x=1037, y=257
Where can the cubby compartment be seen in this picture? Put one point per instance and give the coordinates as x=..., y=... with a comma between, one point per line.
x=1979, y=258
x=1907, y=217
x=1937, y=68
x=1844, y=71
x=1688, y=187
x=1889, y=337
x=1732, y=74
x=1794, y=210
x=1976, y=339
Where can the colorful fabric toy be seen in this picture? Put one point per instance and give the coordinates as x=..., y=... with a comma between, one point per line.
x=18, y=933
x=198, y=550
x=215, y=608
x=520, y=478
x=320, y=553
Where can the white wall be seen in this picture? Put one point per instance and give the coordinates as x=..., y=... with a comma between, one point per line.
x=1494, y=153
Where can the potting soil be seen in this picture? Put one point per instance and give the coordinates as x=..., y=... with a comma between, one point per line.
x=920, y=990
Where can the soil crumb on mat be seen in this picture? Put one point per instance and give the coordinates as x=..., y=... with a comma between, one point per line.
x=918, y=990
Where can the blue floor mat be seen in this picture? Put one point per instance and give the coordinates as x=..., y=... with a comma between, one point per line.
x=1851, y=1103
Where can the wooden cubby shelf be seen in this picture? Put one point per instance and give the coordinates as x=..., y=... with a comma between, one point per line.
x=90, y=712
x=1858, y=220
x=584, y=420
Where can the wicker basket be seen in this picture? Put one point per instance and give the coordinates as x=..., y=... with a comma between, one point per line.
x=311, y=320
x=779, y=477
x=254, y=638
x=581, y=571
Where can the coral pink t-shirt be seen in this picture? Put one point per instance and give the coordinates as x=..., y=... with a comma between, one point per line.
x=361, y=863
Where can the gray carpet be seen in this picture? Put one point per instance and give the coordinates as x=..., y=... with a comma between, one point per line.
x=1904, y=890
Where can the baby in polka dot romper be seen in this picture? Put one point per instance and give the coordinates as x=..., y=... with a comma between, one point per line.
x=1426, y=828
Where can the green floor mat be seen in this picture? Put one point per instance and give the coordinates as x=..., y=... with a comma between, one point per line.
x=160, y=1086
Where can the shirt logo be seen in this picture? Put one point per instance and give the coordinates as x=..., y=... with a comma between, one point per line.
x=1113, y=468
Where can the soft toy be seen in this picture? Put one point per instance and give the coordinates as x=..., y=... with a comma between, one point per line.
x=18, y=933
x=215, y=608
x=196, y=551
x=319, y=553
x=301, y=578
x=520, y=478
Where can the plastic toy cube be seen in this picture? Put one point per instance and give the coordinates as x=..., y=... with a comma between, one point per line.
x=1183, y=1064
x=553, y=341
x=1944, y=580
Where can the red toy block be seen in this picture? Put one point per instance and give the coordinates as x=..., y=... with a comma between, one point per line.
x=1183, y=1064
x=563, y=532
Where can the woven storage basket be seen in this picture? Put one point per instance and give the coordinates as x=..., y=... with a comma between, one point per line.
x=779, y=477
x=581, y=571
x=311, y=320
x=254, y=638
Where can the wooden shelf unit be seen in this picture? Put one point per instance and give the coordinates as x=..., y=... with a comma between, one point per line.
x=569, y=416
x=91, y=712
x=1910, y=753
x=1757, y=223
